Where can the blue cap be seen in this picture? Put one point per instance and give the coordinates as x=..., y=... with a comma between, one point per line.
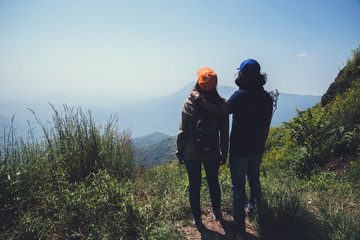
x=249, y=67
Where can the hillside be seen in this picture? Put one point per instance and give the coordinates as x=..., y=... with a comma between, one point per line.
x=149, y=139
x=343, y=80
x=154, y=149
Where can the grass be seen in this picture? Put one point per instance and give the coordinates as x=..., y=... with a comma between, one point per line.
x=80, y=182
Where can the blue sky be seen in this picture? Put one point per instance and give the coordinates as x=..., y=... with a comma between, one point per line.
x=101, y=52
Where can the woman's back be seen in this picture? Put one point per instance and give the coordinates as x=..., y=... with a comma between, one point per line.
x=191, y=116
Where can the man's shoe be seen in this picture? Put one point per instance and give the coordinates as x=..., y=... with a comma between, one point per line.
x=240, y=226
x=250, y=213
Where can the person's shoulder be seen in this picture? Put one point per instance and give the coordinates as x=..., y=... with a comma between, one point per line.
x=238, y=92
x=188, y=105
x=192, y=109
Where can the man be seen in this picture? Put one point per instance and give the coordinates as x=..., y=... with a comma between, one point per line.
x=252, y=109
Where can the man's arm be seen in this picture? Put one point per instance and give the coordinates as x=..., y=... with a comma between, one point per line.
x=267, y=127
x=219, y=111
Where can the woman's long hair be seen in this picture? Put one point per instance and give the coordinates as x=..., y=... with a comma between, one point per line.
x=251, y=82
x=211, y=96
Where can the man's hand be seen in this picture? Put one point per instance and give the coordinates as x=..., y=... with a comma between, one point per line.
x=219, y=111
x=195, y=97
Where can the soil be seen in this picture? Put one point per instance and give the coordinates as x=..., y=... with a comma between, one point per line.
x=340, y=164
x=214, y=230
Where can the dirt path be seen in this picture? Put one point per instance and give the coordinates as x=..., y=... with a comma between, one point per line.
x=216, y=230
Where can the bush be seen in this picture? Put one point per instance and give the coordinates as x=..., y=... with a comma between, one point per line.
x=79, y=146
x=73, y=184
x=339, y=223
x=279, y=149
x=166, y=230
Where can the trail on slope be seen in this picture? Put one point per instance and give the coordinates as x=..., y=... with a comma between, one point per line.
x=212, y=229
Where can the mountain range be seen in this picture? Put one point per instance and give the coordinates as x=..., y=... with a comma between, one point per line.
x=146, y=117
x=163, y=114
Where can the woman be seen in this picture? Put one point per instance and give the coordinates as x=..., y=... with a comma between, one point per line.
x=189, y=144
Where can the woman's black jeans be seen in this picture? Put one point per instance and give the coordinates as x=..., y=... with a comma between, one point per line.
x=194, y=173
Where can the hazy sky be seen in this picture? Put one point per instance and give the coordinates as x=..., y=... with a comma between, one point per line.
x=104, y=51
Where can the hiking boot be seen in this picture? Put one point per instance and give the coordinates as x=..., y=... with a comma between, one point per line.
x=217, y=215
x=250, y=213
x=240, y=227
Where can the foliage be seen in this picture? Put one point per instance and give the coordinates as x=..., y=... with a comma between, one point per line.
x=308, y=129
x=284, y=216
x=166, y=230
x=156, y=153
x=80, y=182
x=278, y=146
x=326, y=132
x=80, y=147
x=297, y=190
x=345, y=114
x=344, y=79
x=306, y=210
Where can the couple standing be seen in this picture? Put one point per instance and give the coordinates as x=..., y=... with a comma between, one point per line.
x=252, y=109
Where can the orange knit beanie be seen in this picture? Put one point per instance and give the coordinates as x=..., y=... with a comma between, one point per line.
x=207, y=79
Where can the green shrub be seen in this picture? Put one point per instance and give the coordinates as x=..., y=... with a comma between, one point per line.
x=344, y=117
x=71, y=184
x=162, y=193
x=78, y=145
x=309, y=130
x=279, y=150
x=166, y=231
x=304, y=164
x=339, y=223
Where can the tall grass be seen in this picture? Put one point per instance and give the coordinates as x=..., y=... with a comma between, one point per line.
x=80, y=146
x=308, y=209
x=72, y=182
x=80, y=182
